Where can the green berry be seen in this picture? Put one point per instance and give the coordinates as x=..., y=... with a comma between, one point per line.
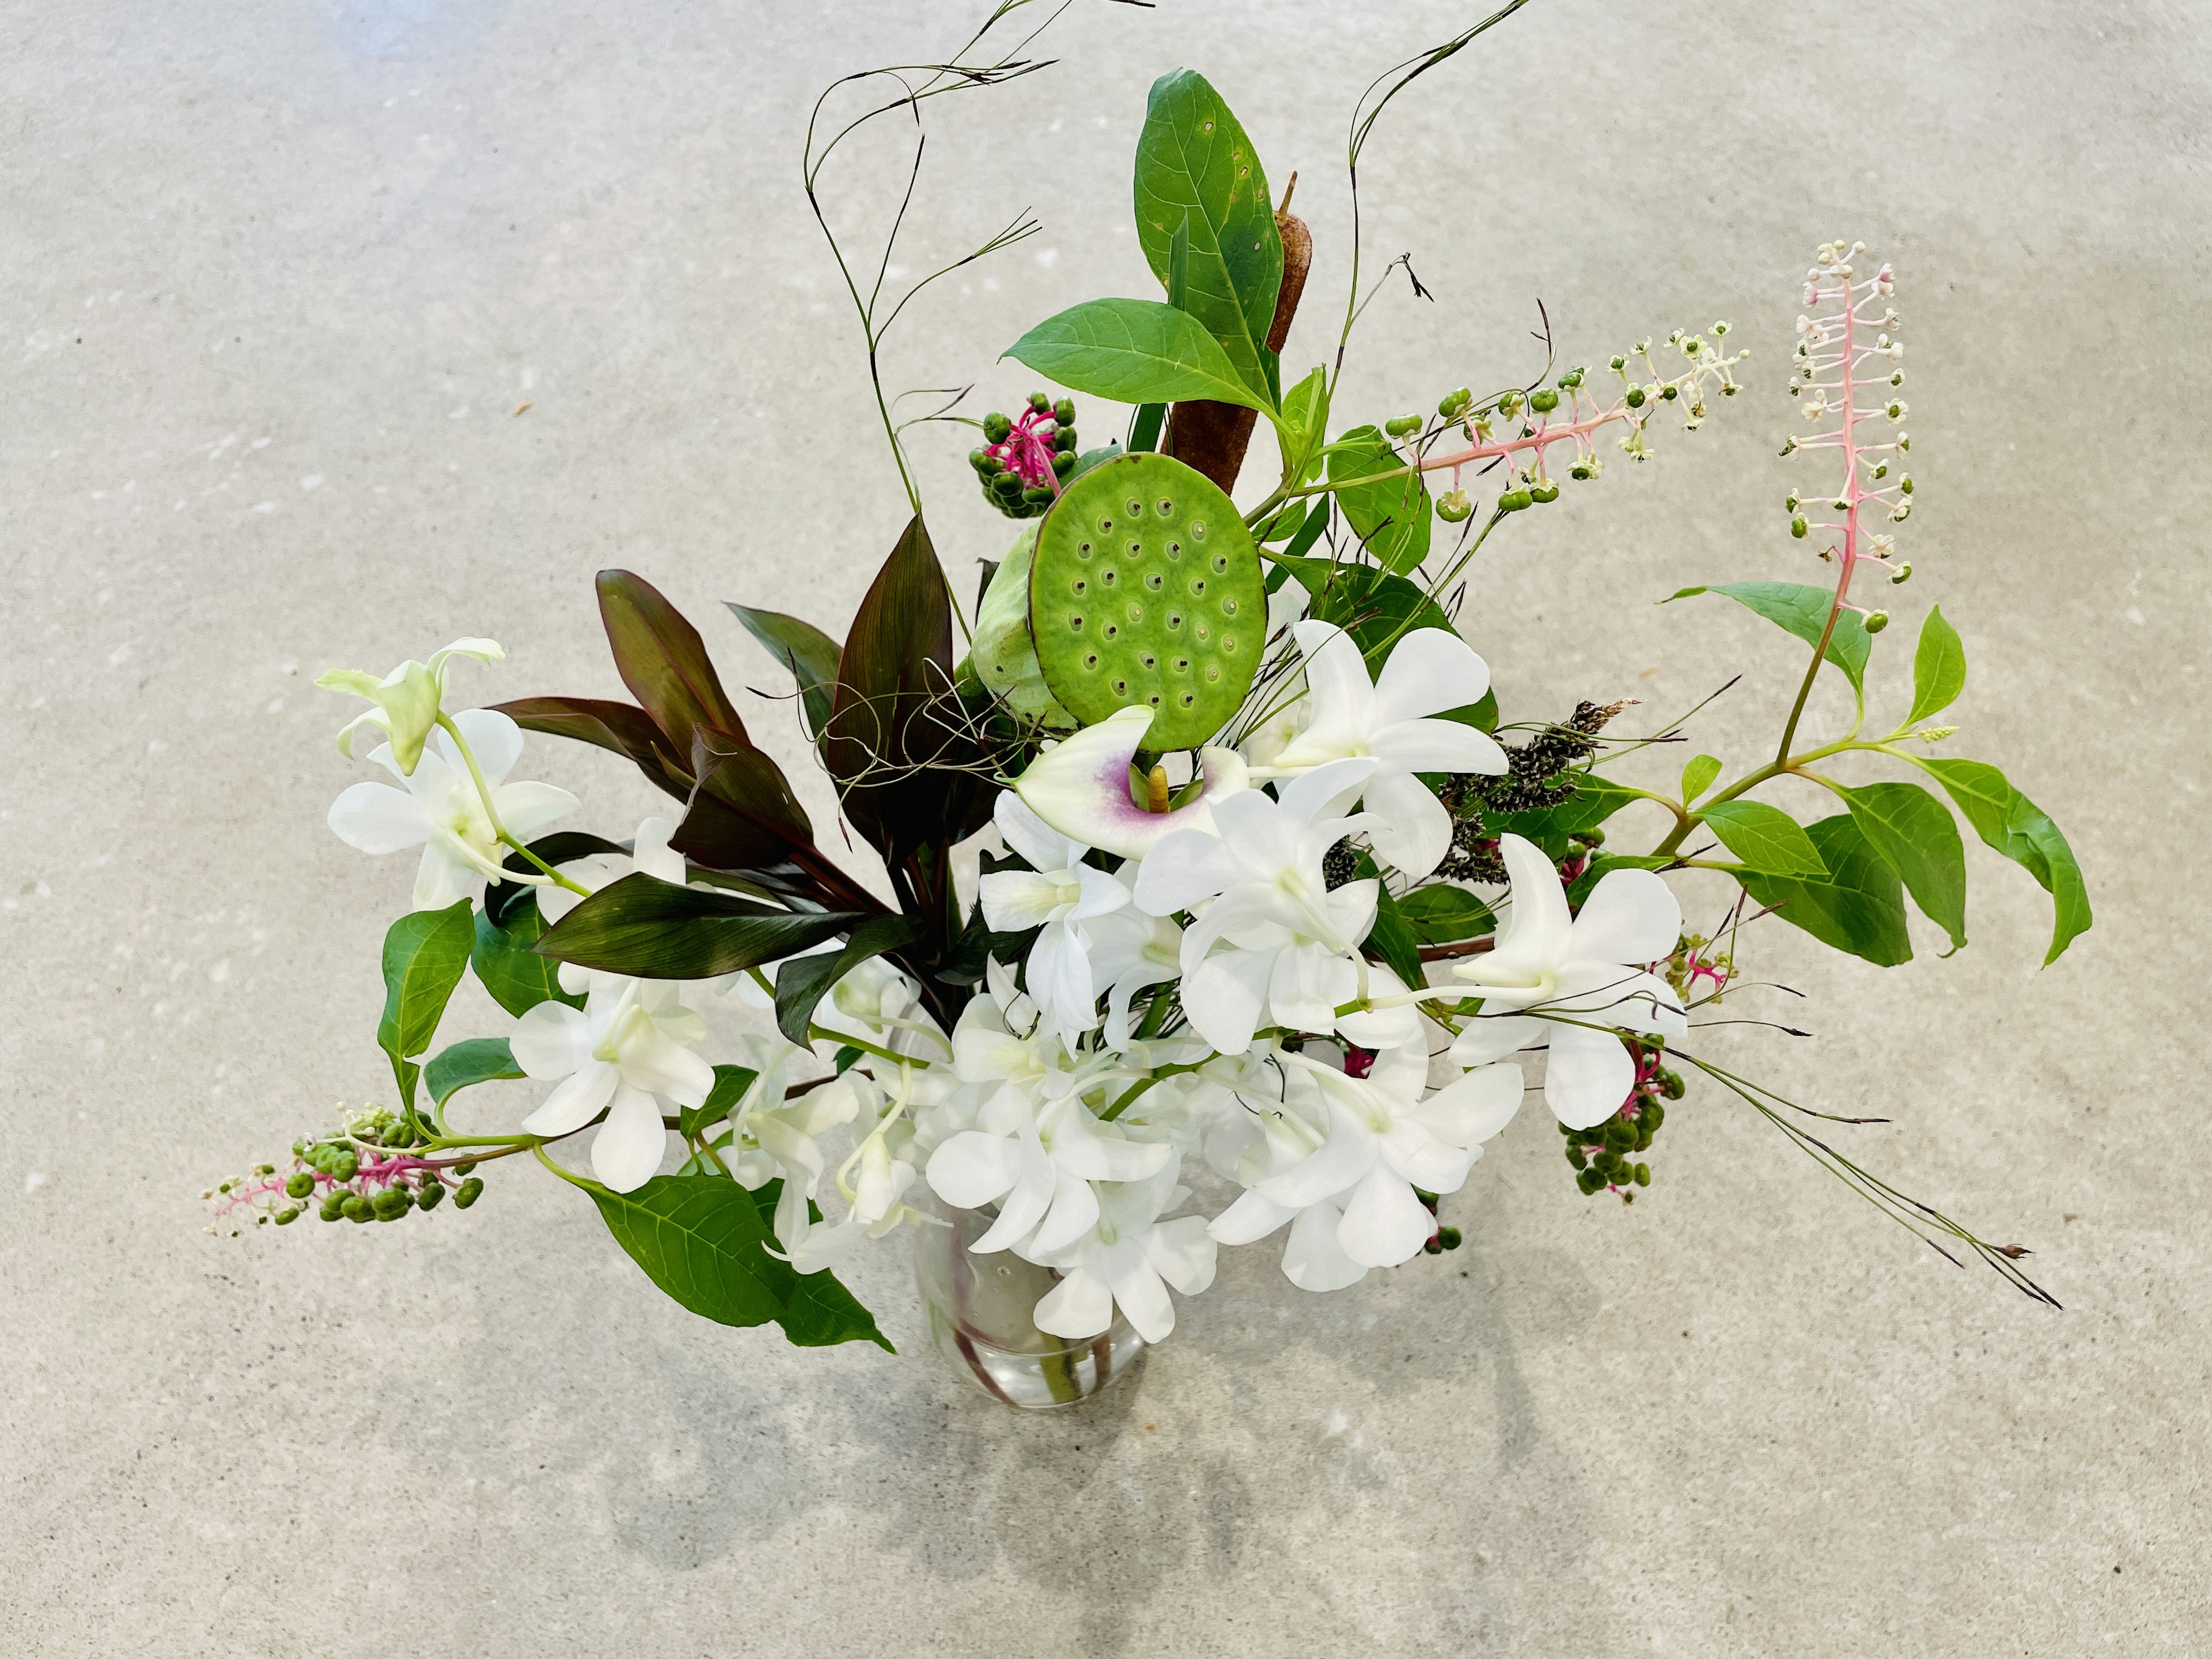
x=1452, y=403
x=1063, y=412
x=285, y=1217
x=1544, y=402
x=1402, y=426
x=1643, y=1174
x=1546, y=492
x=358, y=1208
x=1453, y=506
x=431, y=1196
x=1514, y=500
x=1589, y=1182
x=1449, y=1237
x=300, y=1184
x=469, y=1190
x=1634, y=396
x=391, y=1203
x=1040, y=403
x=1797, y=528
x=1064, y=463
x=997, y=428
x=1876, y=621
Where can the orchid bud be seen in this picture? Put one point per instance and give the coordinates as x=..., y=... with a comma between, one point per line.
x=406, y=700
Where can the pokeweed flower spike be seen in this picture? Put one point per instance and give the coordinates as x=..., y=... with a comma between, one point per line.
x=1846, y=379
x=1022, y=461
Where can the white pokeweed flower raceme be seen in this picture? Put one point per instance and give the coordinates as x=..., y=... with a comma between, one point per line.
x=441, y=810
x=1574, y=982
x=623, y=1053
x=1345, y=714
x=1129, y=1257
x=1059, y=894
x=406, y=701
x=1342, y=1160
x=1272, y=942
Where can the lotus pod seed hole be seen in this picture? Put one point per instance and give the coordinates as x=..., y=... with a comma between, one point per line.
x=1167, y=508
x=1220, y=563
x=1136, y=509
x=1154, y=580
x=1229, y=607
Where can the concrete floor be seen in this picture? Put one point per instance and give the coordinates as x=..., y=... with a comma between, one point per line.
x=282, y=276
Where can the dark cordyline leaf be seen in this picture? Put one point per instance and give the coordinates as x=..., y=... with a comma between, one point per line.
x=664, y=662
x=654, y=929
x=743, y=816
x=802, y=982
x=562, y=846
x=617, y=725
x=805, y=650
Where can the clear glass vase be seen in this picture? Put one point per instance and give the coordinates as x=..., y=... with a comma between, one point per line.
x=980, y=1308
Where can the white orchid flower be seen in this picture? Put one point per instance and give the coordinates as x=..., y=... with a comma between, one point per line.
x=1129, y=1256
x=1002, y=1048
x=1590, y=970
x=1346, y=715
x=1041, y=1173
x=624, y=1051
x=1060, y=893
x=1081, y=787
x=878, y=1176
x=1288, y=944
x=1130, y=950
x=1352, y=1198
x=775, y=1136
x=441, y=811
x=407, y=700
x=649, y=852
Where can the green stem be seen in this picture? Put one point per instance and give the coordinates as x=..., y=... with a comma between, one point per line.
x=824, y=1035
x=491, y=812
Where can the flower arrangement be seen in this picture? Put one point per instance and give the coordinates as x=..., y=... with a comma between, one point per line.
x=1210, y=859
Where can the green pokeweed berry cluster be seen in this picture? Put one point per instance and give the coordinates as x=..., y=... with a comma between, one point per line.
x=1605, y=1154
x=1024, y=457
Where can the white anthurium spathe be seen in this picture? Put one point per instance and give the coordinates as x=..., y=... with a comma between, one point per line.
x=1355, y=1190
x=441, y=810
x=624, y=1052
x=1128, y=1256
x=1574, y=982
x=1273, y=943
x=1082, y=787
x=1060, y=894
x=405, y=703
x=1345, y=714
x=1039, y=1174
x=1131, y=950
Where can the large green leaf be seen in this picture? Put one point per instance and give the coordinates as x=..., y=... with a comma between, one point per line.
x=1803, y=611
x=1766, y=838
x=664, y=662
x=1393, y=937
x=425, y=954
x=1939, y=668
x=1857, y=907
x=1198, y=176
x=1135, y=351
x=2024, y=833
x=507, y=961
x=654, y=929
x=1394, y=518
x=475, y=1059
x=1912, y=831
x=802, y=982
x=818, y=1312
x=1442, y=913
x=805, y=650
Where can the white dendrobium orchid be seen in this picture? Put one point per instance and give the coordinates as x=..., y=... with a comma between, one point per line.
x=1130, y=950
x=1350, y=1197
x=1289, y=944
x=880, y=1174
x=1060, y=893
x=1002, y=1048
x=622, y=1053
x=407, y=700
x=650, y=852
x=1131, y=1256
x=1589, y=970
x=1346, y=715
x=776, y=1135
x=1081, y=787
x=441, y=810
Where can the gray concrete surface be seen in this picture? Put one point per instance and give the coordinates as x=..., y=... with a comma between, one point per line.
x=275, y=280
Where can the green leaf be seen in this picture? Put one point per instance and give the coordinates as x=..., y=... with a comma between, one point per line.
x=507, y=964
x=562, y=846
x=1697, y=776
x=654, y=929
x=1766, y=838
x=1305, y=419
x=1394, y=518
x=664, y=662
x=805, y=650
x=818, y=1312
x=425, y=954
x=478, y=1059
x=1443, y=915
x=1939, y=668
x=1909, y=828
x=1135, y=351
x=1605, y=864
x=700, y=1239
x=731, y=1083
x=1197, y=175
x=1803, y=611
x=1595, y=799
x=2023, y=832
x=1857, y=907
x=1378, y=610
x=1393, y=937
x=802, y=982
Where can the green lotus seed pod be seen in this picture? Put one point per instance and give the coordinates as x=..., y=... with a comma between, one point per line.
x=1453, y=506
x=1063, y=412
x=1145, y=588
x=1546, y=492
x=298, y=1185
x=469, y=1190
x=1514, y=500
x=997, y=428
x=1402, y=426
x=1004, y=655
x=1544, y=402
x=432, y=1195
x=1876, y=621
